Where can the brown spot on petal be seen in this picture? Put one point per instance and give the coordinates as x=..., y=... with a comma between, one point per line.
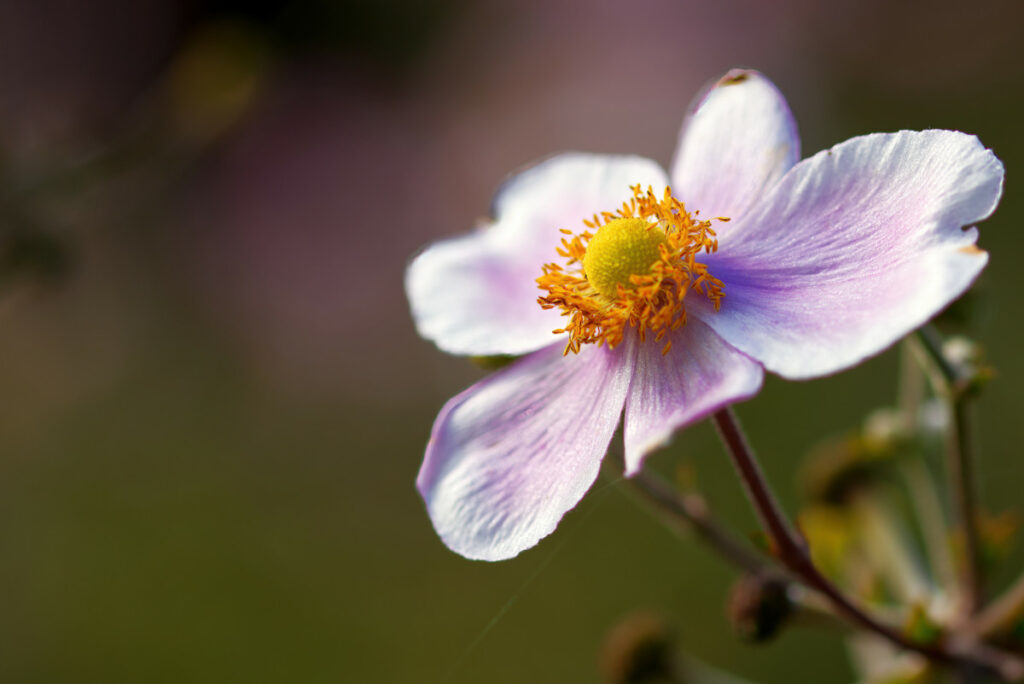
x=733, y=80
x=971, y=249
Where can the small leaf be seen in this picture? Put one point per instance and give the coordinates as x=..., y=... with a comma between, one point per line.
x=920, y=627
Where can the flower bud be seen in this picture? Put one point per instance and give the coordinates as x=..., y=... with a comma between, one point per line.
x=969, y=359
x=759, y=606
x=640, y=650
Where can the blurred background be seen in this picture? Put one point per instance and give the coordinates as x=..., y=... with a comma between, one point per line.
x=213, y=404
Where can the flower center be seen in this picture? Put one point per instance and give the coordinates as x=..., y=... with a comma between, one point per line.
x=635, y=270
x=621, y=249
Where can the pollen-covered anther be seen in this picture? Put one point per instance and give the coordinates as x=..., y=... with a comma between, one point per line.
x=633, y=267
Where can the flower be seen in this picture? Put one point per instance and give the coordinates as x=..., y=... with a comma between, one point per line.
x=822, y=263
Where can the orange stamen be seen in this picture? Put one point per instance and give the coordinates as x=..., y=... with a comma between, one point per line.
x=651, y=302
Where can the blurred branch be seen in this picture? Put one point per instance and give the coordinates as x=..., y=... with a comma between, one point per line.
x=1003, y=613
x=689, y=512
x=955, y=382
x=924, y=496
x=793, y=553
x=928, y=509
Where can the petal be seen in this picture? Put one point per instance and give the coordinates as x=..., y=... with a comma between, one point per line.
x=469, y=297
x=856, y=247
x=740, y=139
x=509, y=456
x=477, y=294
x=699, y=375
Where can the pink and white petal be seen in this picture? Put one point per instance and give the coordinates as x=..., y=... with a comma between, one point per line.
x=699, y=375
x=856, y=247
x=738, y=142
x=512, y=454
x=534, y=205
x=477, y=294
x=469, y=297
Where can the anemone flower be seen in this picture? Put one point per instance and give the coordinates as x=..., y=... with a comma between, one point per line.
x=626, y=298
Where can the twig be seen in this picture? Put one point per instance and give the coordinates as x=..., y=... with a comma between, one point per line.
x=932, y=519
x=960, y=460
x=689, y=512
x=1002, y=613
x=792, y=552
x=920, y=485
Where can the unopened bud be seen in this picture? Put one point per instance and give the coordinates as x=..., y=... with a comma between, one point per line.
x=933, y=418
x=884, y=431
x=640, y=650
x=968, y=357
x=962, y=350
x=759, y=606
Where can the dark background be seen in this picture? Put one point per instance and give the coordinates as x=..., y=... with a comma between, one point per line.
x=213, y=403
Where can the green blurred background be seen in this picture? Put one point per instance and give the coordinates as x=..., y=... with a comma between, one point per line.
x=213, y=403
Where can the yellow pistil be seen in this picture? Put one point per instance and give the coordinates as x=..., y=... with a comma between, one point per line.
x=620, y=249
x=635, y=269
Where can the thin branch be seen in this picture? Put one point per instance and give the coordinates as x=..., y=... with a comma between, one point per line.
x=1002, y=614
x=931, y=342
x=932, y=519
x=912, y=388
x=689, y=512
x=961, y=456
x=960, y=462
x=921, y=488
x=792, y=552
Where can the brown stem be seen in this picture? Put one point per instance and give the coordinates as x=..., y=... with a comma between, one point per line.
x=792, y=552
x=690, y=512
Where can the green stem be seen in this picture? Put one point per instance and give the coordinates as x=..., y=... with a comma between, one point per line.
x=921, y=488
x=911, y=388
x=960, y=463
x=928, y=509
x=888, y=547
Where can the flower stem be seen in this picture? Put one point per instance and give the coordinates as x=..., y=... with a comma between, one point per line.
x=932, y=519
x=920, y=485
x=888, y=547
x=689, y=512
x=911, y=387
x=788, y=544
x=961, y=457
x=793, y=553
x=1002, y=614
x=960, y=461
